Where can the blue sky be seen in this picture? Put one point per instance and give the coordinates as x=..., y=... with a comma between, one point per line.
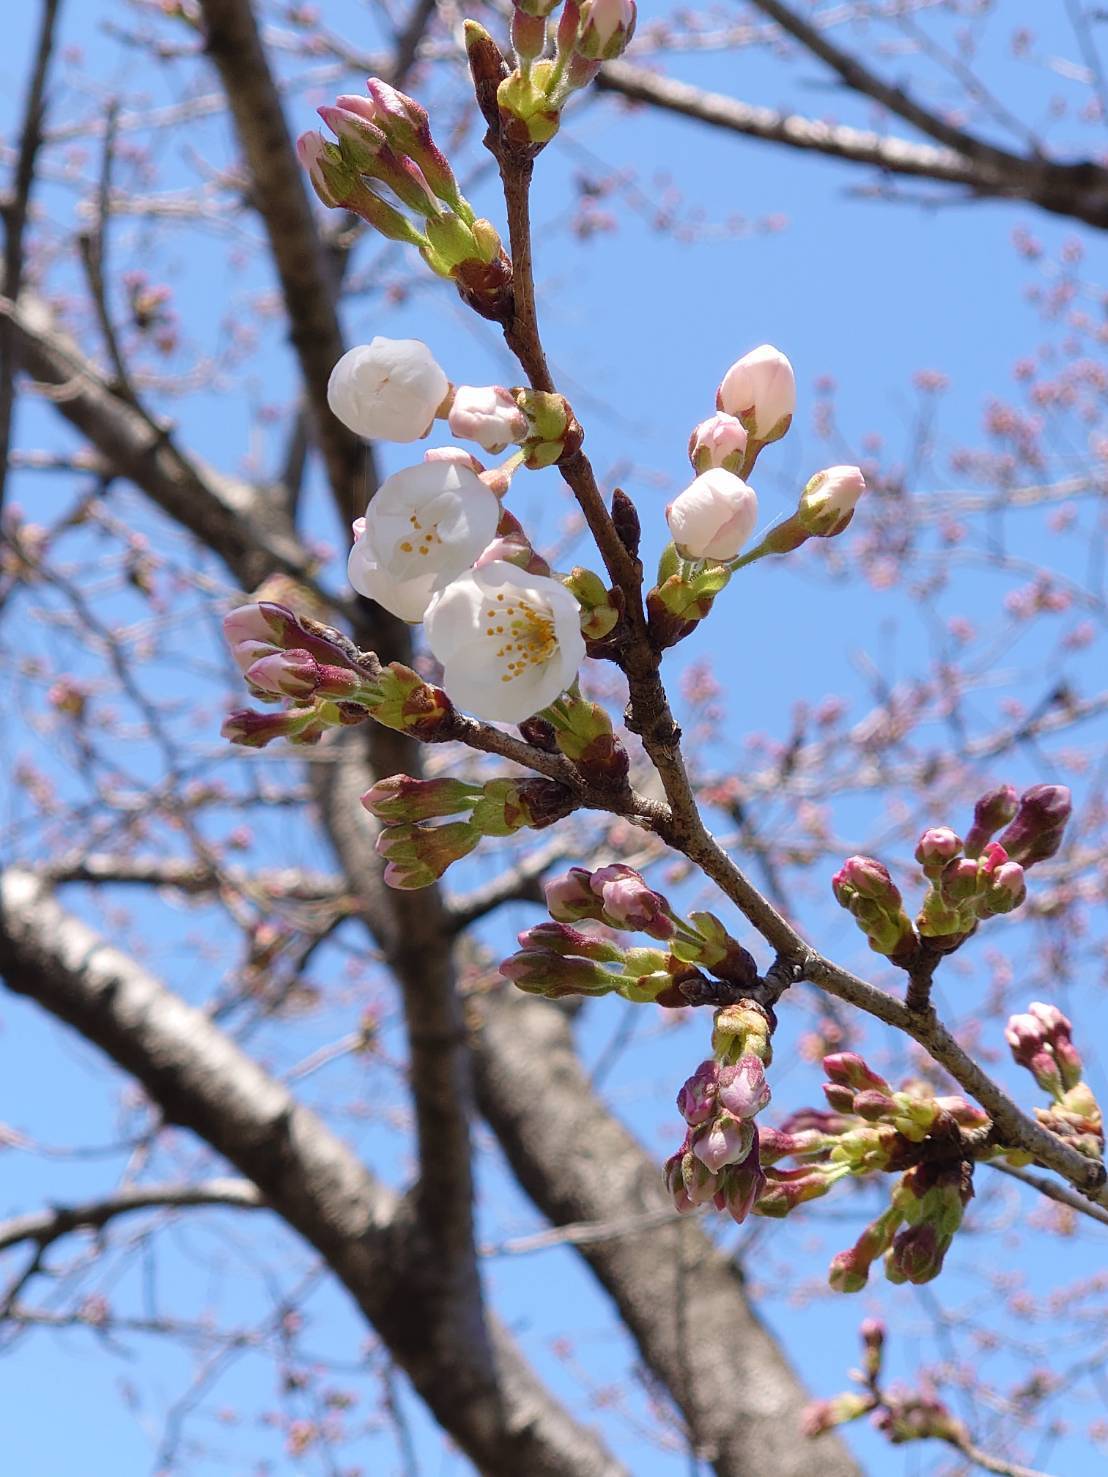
x=640, y=327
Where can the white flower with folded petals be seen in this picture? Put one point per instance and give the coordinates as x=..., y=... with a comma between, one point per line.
x=423, y=527
x=487, y=414
x=388, y=390
x=509, y=642
x=760, y=390
x=714, y=516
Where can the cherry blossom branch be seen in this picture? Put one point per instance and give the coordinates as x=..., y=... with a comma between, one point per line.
x=853, y=145
x=234, y=44
x=1067, y=189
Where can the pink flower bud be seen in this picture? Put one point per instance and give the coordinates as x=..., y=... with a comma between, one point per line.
x=399, y=798
x=873, y=1106
x=917, y=1254
x=742, y=1186
x=696, y=1101
x=720, y=441
x=630, y=903
x=760, y=390
x=828, y=501
x=606, y=28
x=292, y=674
x=868, y=878
x=1053, y=1022
x=726, y=1140
x=560, y=938
x=487, y=414
x=743, y=1089
x=313, y=152
x=1026, y=1035
x=570, y=898
x=849, y=1069
x=1036, y=832
x=713, y=517
x=416, y=856
x=994, y=810
x=701, y=1183
x=1005, y=887
x=937, y=846
x=675, y=1183
x=788, y=1188
x=255, y=730
x=958, y=881
x=542, y=972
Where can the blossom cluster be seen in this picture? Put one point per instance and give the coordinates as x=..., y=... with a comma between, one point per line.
x=436, y=546
x=713, y=518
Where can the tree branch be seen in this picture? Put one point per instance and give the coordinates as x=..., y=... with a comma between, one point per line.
x=15, y=219
x=277, y=191
x=855, y=146
x=225, y=514
x=45, y=1226
x=1078, y=190
x=202, y=1081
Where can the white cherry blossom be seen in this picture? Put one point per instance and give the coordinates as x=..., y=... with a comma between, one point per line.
x=714, y=516
x=423, y=527
x=388, y=389
x=509, y=642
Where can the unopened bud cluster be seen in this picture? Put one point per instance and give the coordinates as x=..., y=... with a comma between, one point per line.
x=900, y=1415
x=719, y=1159
x=868, y=1127
x=968, y=881
x=1041, y=1039
x=555, y=57
x=417, y=854
x=714, y=517
x=558, y=959
x=384, y=147
x=325, y=684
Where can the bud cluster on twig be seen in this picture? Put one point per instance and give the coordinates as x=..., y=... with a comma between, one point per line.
x=1041, y=1039
x=968, y=881
x=900, y=1415
x=326, y=685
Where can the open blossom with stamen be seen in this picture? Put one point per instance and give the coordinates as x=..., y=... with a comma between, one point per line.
x=423, y=527
x=390, y=389
x=487, y=414
x=714, y=516
x=509, y=642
